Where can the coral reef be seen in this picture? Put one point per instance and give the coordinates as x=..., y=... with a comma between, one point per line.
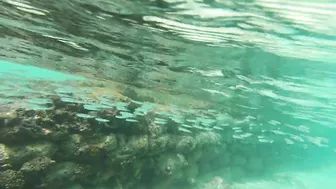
x=121, y=145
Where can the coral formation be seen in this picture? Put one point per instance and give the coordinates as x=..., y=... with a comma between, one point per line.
x=11, y=179
x=121, y=145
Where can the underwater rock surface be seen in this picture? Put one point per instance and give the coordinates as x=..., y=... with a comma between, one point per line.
x=123, y=146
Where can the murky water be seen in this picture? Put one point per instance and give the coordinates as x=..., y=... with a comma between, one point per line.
x=264, y=68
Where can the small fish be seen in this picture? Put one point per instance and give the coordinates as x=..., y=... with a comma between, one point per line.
x=187, y=126
x=92, y=107
x=69, y=100
x=217, y=128
x=265, y=140
x=137, y=102
x=191, y=120
x=288, y=141
x=102, y=120
x=132, y=120
x=246, y=135
x=160, y=122
x=277, y=132
x=184, y=130
x=39, y=101
x=198, y=127
x=125, y=115
x=160, y=119
x=85, y=115
x=138, y=113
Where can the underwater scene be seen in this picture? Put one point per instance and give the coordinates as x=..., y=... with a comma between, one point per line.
x=167, y=94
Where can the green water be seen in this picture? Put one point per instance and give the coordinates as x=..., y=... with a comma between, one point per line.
x=264, y=70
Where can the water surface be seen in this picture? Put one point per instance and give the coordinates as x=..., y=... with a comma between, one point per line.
x=268, y=64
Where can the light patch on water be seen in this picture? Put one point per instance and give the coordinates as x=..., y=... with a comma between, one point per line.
x=263, y=22
x=68, y=42
x=27, y=8
x=209, y=73
x=194, y=8
x=217, y=92
x=247, y=107
x=303, y=16
x=246, y=79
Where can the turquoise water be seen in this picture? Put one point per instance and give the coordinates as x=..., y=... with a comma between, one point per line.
x=264, y=68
